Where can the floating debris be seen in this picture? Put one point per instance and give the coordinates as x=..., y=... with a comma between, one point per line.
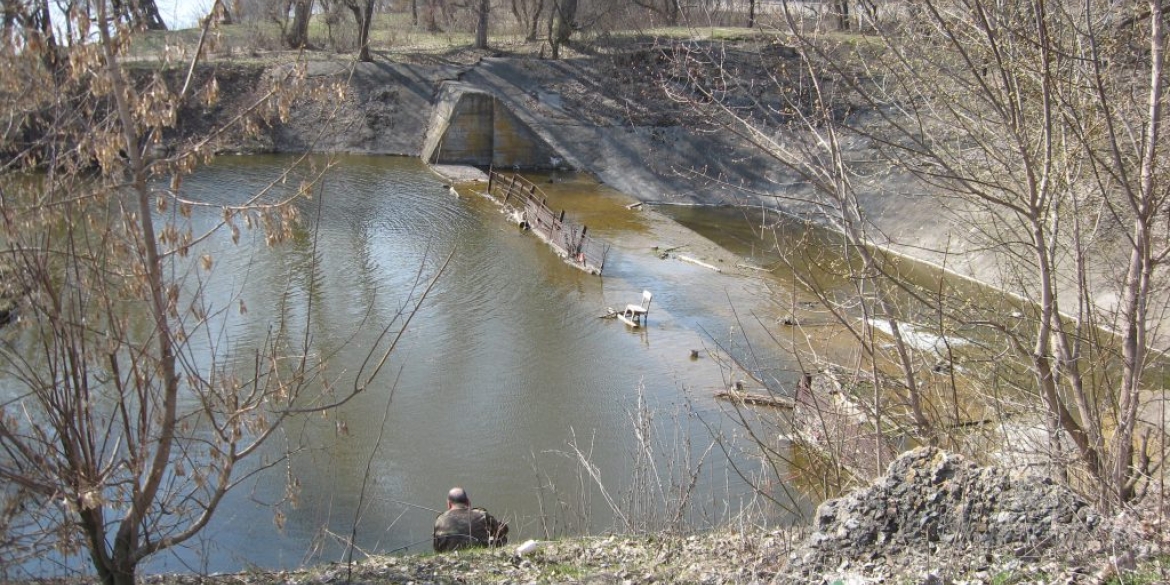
x=756, y=398
x=698, y=262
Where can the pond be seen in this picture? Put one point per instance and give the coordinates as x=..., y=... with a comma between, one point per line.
x=506, y=382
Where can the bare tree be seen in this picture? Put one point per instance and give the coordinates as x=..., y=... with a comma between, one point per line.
x=297, y=35
x=363, y=15
x=671, y=10
x=562, y=21
x=527, y=14
x=431, y=13
x=1055, y=178
x=482, y=13
x=802, y=133
x=124, y=420
x=139, y=13
x=1037, y=129
x=67, y=7
x=841, y=9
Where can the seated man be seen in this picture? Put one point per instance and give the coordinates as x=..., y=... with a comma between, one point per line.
x=462, y=526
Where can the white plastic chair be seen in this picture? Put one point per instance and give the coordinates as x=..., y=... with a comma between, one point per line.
x=637, y=313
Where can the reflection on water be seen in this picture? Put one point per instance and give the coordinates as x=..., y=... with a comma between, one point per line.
x=503, y=383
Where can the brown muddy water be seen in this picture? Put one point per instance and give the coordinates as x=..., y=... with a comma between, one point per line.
x=507, y=382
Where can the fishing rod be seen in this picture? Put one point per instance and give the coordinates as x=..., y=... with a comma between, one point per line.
x=410, y=505
x=416, y=543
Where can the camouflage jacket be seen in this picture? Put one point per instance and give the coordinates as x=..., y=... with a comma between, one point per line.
x=462, y=527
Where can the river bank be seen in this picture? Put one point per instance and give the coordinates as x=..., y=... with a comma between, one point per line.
x=934, y=518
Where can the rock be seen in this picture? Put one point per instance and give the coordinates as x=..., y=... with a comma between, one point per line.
x=931, y=496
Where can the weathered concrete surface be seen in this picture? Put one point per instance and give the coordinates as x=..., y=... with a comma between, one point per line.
x=463, y=130
x=386, y=109
x=472, y=127
x=391, y=106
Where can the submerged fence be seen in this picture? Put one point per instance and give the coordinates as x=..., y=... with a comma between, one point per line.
x=525, y=204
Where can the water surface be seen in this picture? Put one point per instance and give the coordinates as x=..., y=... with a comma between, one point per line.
x=506, y=381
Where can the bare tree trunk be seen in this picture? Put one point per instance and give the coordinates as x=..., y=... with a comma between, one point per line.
x=483, y=10
x=534, y=23
x=40, y=20
x=224, y=14
x=431, y=16
x=122, y=558
x=528, y=16
x=139, y=13
x=561, y=24
x=671, y=10
x=148, y=15
x=365, y=34
x=1135, y=310
x=751, y=21
x=362, y=15
x=298, y=34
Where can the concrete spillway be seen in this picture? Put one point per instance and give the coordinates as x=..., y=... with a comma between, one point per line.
x=472, y=127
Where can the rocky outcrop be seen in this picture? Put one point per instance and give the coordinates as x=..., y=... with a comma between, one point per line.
x=941, y=506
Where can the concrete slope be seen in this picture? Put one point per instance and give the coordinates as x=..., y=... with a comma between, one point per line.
x=569, y=108
x=386, y=109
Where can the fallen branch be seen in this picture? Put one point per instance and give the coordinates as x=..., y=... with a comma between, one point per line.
x=699, y=262
x=756, y=399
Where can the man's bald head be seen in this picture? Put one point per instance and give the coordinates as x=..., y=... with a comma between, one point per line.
x=458, y=495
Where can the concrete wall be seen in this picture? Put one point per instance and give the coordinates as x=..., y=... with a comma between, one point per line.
x=474, y=128
x=468, y=138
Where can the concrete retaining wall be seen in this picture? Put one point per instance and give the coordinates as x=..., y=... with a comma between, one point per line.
x=472, y=127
